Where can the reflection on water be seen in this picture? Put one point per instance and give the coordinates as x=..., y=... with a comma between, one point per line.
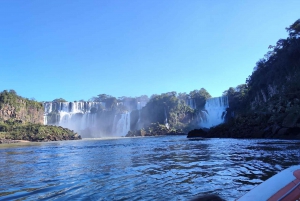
x=161, y=168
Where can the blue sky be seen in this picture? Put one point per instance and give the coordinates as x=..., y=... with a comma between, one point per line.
x=78, y=49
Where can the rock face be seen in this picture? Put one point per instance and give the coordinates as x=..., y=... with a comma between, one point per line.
x=277, y=119
x=197, y=133
x=16, y=108
x=23, y=113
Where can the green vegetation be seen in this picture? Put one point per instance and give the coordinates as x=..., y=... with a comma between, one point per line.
x=172, y=109
x=59, y=100
x=154, y=129
x=11, y=98
x=268, y=104
x=15, y=130
x=278, y=73
x=275, y=77
x=238, y=98
x=165, y=107
x=169, y=110
x=200, y=97
x=21, y=118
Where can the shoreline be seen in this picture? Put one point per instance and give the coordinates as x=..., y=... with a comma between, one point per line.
x=10, y=141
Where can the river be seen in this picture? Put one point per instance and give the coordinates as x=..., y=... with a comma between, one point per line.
x=152, y=168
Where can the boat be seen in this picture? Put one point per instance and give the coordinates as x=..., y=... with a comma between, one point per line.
x=284, y=186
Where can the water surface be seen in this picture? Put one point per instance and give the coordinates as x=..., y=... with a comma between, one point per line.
x=153, y=168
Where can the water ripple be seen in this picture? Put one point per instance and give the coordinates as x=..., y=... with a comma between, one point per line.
x=162, y=168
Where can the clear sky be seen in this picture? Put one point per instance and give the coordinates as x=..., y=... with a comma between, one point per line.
x=76, y=49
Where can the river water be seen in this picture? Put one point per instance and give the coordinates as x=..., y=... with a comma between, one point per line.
x=152, y=168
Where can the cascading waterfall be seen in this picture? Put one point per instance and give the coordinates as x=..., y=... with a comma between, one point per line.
x=141, y=104
x=122, y=126
x=139, y=120
x=76, y=116
x=121, y=122
x=82, y=117
x=191, y=102
x=92, y=119
x=215, y=110
x=166, y=119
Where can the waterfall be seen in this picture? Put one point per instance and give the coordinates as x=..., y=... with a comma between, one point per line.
x=141, y=104
x=214, y=111
x=76, y=116
x=139, y=120
x=83, y=122
x=191, y=102
x=45, y=120
x=122, y=125
x=166, y=119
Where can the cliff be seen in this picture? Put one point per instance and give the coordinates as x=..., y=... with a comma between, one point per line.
x=22, y=119
x=268, y=105
x=14, y=107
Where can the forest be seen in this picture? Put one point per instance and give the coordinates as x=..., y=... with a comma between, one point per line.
x=268, y=104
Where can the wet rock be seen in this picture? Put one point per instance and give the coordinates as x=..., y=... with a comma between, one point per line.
x=293, y=131
x=197, y=133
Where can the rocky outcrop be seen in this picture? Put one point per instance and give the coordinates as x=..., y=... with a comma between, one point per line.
x=197, y=133
x=23, y=113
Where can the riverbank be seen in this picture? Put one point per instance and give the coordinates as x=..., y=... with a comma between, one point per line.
x=248, y=128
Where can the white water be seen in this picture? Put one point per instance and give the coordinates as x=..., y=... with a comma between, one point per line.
x=76, y=116
x=166, y=119
x=79, y=116
x=122, y=126
x=72, y=107
x=191, y=103
x=141, y=104
x=214, y=108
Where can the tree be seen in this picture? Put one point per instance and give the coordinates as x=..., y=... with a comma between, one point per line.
x=13, y=92
x=200, y=97
x=294, y=29
x=111, y=103
x=59, y=100
x=102, y=97
x=182, y=96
